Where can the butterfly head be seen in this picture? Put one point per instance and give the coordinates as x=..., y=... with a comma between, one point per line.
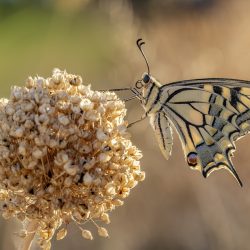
x=144, y=87
x=146, y=82
x=143, y=84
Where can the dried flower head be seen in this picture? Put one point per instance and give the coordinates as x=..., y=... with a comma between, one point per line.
x=65, y=155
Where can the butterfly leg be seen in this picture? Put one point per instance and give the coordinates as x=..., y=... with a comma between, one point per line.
x=129, y=98
x=144, y=116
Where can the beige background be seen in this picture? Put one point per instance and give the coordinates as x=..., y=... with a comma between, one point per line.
x=174, y=208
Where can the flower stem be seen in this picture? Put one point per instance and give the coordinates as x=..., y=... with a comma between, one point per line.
x=31, y=229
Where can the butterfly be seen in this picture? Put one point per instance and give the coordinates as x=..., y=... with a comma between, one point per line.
x=209, y=115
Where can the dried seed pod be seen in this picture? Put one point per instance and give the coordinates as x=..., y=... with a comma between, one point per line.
x=102, y=231
x=86, y=234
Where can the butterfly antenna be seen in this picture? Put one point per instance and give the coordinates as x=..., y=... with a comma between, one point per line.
x=139, y=43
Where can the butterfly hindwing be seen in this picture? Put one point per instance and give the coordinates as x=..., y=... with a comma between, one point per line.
x=163, y=132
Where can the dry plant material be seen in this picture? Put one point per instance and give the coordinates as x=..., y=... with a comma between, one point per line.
x=65, y=155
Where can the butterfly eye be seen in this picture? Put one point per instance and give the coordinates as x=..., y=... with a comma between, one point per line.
x=192, y=159
x=146, y=78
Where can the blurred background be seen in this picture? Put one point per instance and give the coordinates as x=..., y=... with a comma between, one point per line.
x=174, y=208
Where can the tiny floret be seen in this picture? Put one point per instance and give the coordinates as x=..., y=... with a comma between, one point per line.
x=87, y=235
x=103, y=232
x=61, y=234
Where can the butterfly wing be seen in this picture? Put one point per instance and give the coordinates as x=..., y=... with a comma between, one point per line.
x=163, y=132
x=209, y=116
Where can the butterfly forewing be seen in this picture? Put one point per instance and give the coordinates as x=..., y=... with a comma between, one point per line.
x=208, y=115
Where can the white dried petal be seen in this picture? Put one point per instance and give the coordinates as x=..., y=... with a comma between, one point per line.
x=57, y=78
x=114, y=142
x=92, y=115
x=110, y=189
x=78, y=80
x=16, y=92
x=56, y=71
x=114, y=166
x=98, y=170
x=105, y=218
x=97, y=96
x=104, y=157
x=97, y=181
x=18, y=133
x=37, y=154
x=44, y=108
x=136, y=164
x=122, y=129
x=22, y=149
x=76, y=109
x=86, y=234
x=75, y=99
x=39, y=141
x=68, y=181
x=75, y=80
x=132, y=183
x=52, y=143
x=50, y=189
x=40, y=81
x=29, y=124
x=84, y=90
x=27, y=107
x=9, y=110
x=40, y=192
x=97, y=145
x=61, y=234
x=64, y=120
x=88, y=165
x=29, y=82
x=86, y=104
x=123, y=179
x=109, y=127
x=61, y=158
x=70, y=169
x=117, y=202
x=139, y=176
x=100, y=135
x=81, y=121
x=124, y=192
x=32, y=164
x=87, y=179
x=77, y=178
x=101, y=109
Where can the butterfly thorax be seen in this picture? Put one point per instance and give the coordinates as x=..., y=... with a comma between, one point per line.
x=151, y=93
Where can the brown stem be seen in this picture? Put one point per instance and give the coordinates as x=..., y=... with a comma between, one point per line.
x=31, y=230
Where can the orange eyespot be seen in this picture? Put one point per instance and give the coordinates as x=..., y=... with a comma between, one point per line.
x=192, y=159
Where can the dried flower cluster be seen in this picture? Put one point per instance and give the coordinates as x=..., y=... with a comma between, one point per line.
x=65, y=155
